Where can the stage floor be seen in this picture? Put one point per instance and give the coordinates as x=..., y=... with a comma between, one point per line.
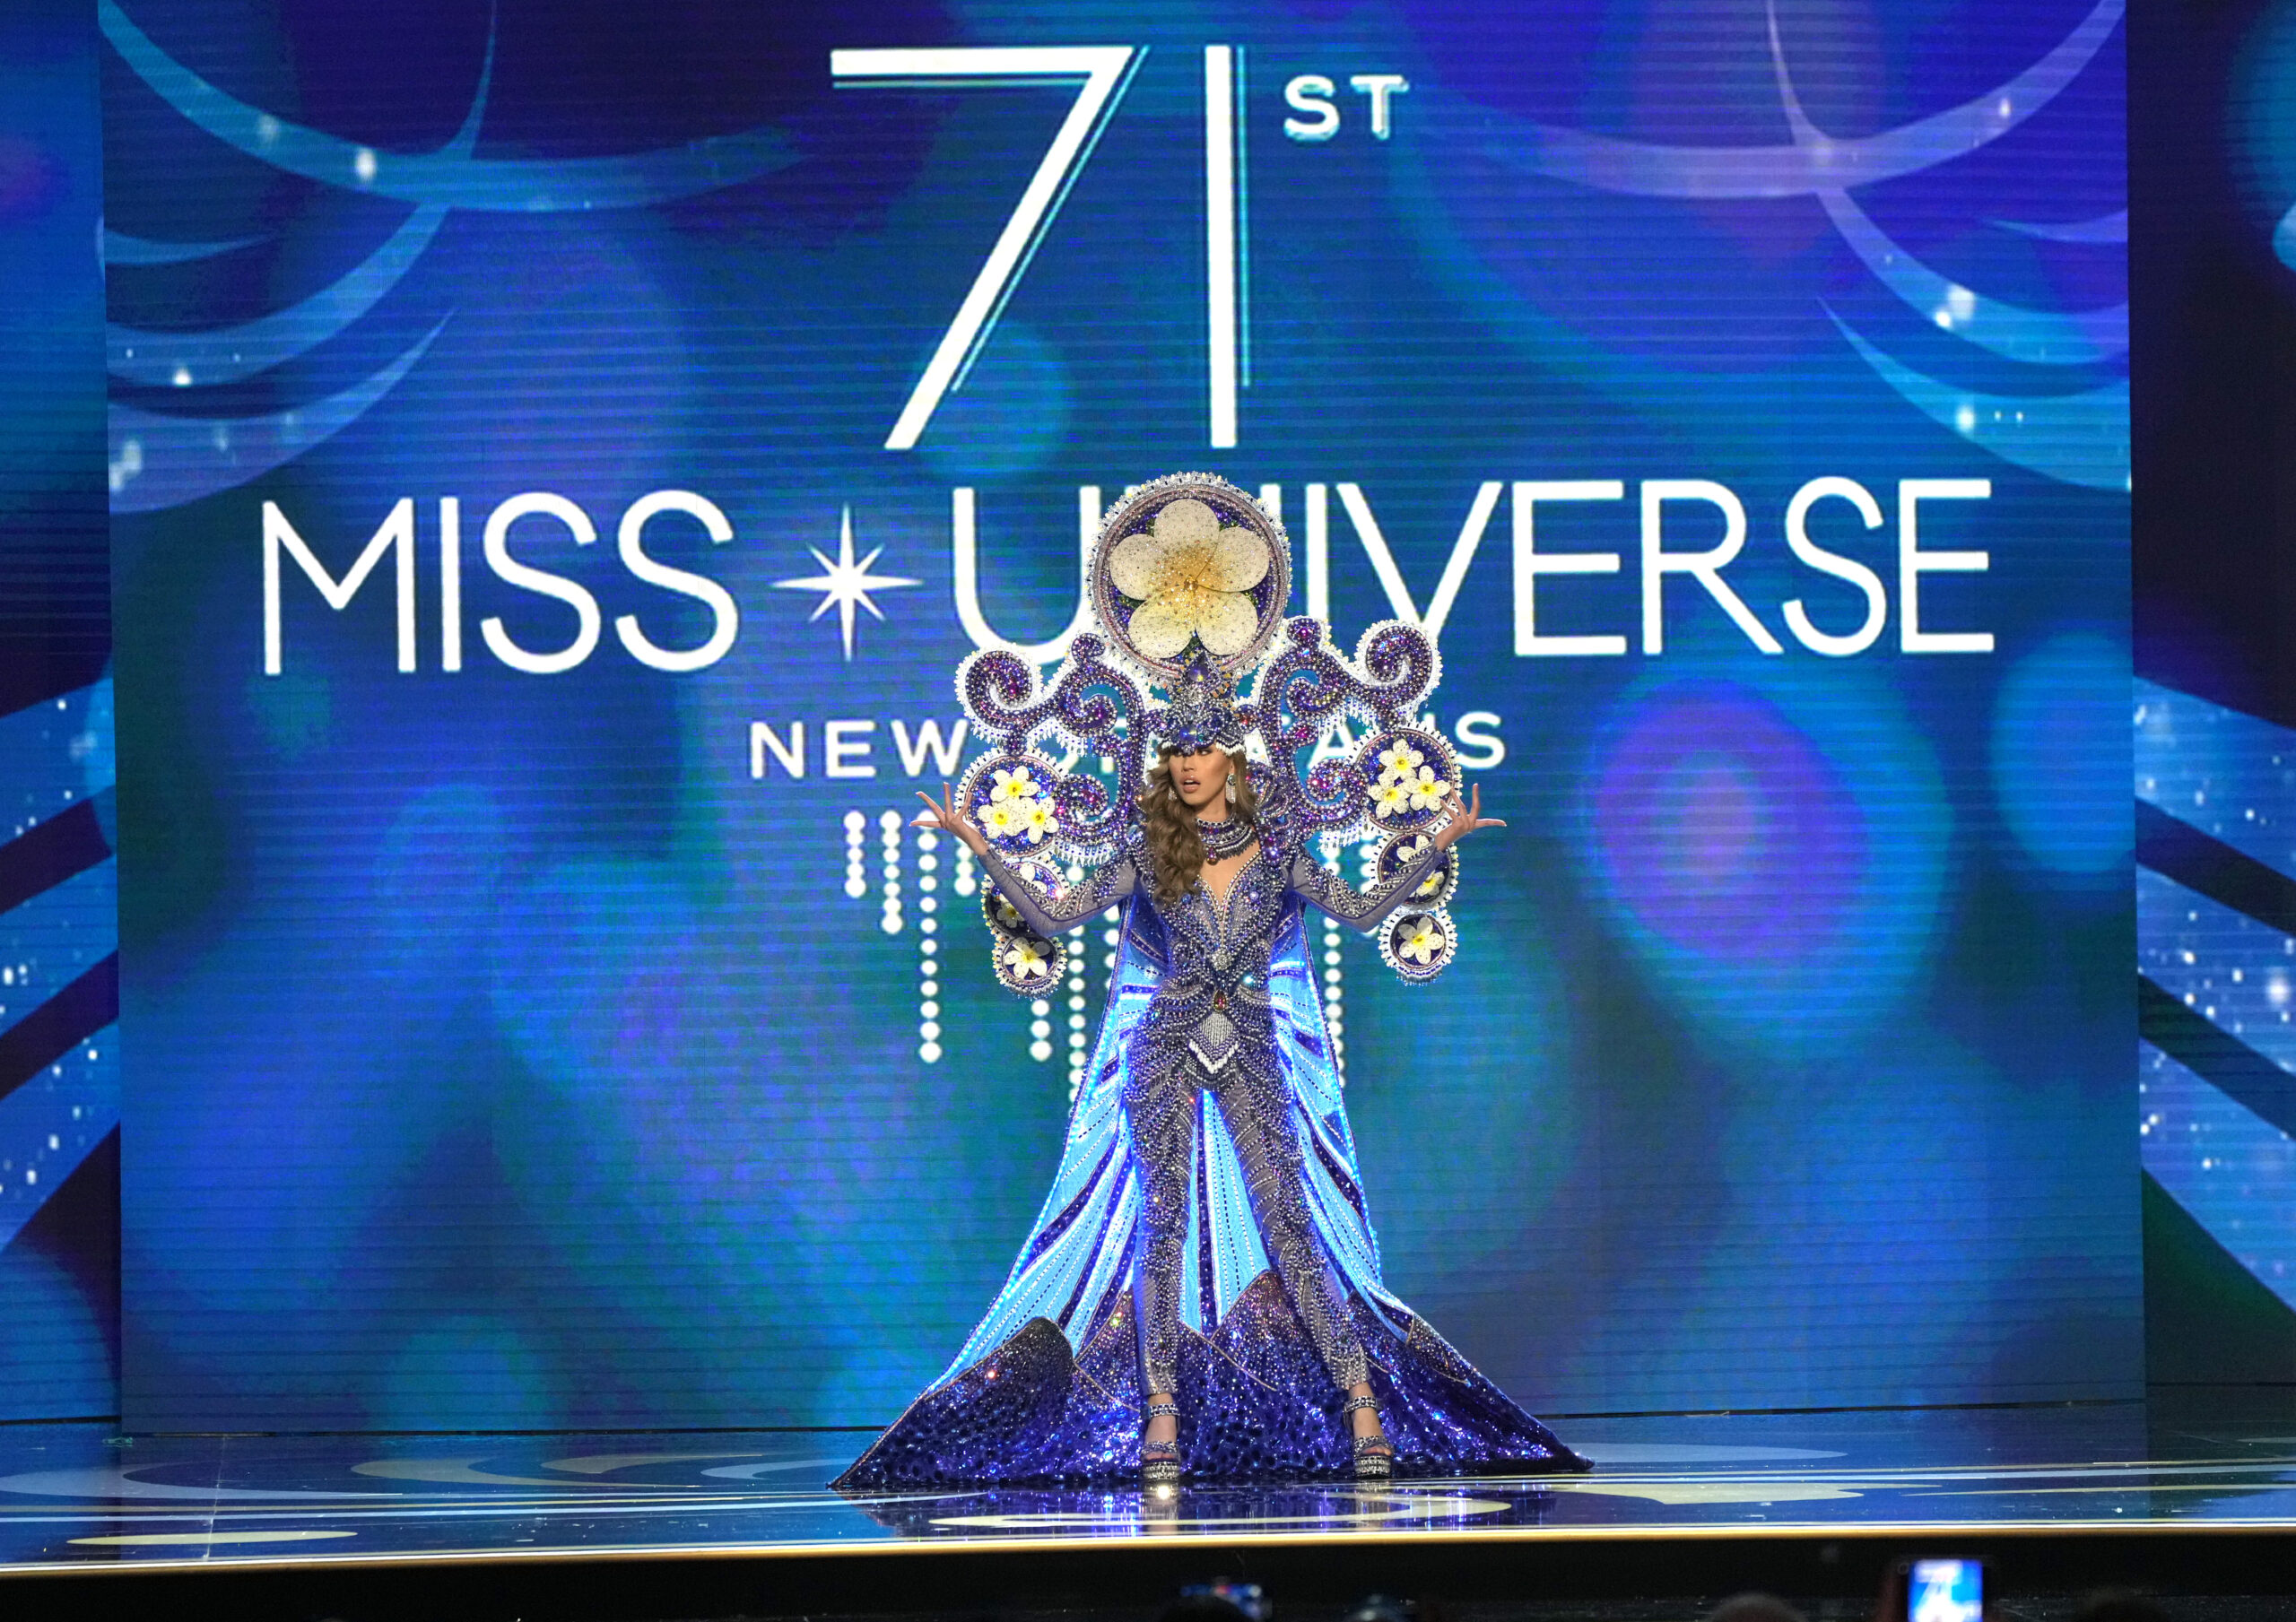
x=76, y=1496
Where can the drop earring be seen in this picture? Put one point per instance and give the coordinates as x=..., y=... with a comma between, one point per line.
x=1232, y=788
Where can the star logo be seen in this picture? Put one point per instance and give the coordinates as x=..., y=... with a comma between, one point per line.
x=845, y=585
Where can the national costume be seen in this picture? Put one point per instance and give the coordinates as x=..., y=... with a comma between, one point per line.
x=1206, y=1234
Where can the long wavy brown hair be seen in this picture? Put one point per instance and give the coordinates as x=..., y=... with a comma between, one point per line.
x=1175, y=846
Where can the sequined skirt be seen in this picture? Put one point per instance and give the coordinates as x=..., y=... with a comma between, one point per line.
x=1255, y=1405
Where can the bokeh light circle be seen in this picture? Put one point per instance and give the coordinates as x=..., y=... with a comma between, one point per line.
x=1775, y=857
x=2061, y=757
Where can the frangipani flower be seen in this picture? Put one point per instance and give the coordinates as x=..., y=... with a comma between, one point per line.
x=1036, y=817
x=1399, y=760
x=1426, y=791
x=1420, y=939
x=1390, y=797
x=1002, y=818
x=1015, y=785
x=1189, y=573
x=1027, y=959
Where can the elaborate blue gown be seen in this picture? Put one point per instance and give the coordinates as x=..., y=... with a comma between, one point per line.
x=1206, y=1232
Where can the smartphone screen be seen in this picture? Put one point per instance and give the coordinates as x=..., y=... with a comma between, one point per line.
x=1946, y=1590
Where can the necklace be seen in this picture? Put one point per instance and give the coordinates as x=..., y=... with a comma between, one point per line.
x=1224, y=840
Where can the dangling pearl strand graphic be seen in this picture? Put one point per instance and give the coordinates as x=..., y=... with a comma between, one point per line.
x=928, y=946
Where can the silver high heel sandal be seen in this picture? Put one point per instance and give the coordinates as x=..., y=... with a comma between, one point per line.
x=1160, y=1461
x=1371, y=1464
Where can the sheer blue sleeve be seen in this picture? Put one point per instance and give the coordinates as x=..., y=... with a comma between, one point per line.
x=1050, y=915
x=1362, y=909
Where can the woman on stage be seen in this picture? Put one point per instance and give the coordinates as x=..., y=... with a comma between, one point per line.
x=1200, y=1295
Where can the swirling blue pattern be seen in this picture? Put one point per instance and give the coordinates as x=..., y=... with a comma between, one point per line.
x=2074, y=431
x=121, y=248
x=163, y=460
x=452, y=177
x=227, y=354
x=1802, y=168
x=2080, y=437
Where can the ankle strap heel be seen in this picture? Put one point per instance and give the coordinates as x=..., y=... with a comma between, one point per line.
x=1375, y=1455
x=1160, y=1461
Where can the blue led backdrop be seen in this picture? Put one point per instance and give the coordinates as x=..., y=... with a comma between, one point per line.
x=557, y=454
x=59, y=1047
x=2213, y=179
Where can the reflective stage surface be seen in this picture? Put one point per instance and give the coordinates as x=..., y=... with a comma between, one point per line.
x=77, y=1494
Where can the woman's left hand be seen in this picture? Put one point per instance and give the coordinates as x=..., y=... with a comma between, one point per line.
x=1465, y=818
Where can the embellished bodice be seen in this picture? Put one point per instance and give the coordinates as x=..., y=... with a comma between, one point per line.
x=1213, y=951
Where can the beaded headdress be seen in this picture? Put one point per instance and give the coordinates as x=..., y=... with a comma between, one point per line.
x=1190, y=579
x=1202, y=712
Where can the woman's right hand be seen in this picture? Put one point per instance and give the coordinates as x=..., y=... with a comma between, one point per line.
x=944, y=815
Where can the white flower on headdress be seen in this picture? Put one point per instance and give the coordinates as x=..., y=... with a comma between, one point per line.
x=1036, y=817
x=1406, y=854
x=1015, y=785
x=1427, y=790
x=1002, y=818
x=1190, y=573
x=1421, y=938
x=1390, y=797
x=1399, y=760
x=1026, y=958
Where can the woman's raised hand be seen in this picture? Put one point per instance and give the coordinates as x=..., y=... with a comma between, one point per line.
x=943, y=814
x=1466, y=819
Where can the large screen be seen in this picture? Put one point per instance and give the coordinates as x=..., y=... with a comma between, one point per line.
x=559, y=452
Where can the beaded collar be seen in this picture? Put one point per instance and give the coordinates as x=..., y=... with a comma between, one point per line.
x=1222, y=840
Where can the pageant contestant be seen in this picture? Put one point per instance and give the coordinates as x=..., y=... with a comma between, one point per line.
x=1201, y=1294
